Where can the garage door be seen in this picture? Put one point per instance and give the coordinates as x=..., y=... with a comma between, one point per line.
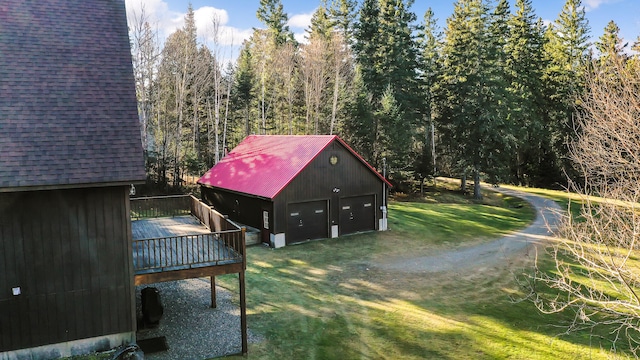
x=307, y=221
x=357, y=214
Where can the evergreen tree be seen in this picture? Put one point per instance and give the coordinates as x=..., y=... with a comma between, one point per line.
x=398, y=56
x=321, y=25
x=430, y=43
x=567, y=51
x=496, y=97
x=388, y=57
x=472, y=117
x=343, y=14
x=610, y=46
x=361, y=130
x=366, y=47
x=243, y=87
x=271, y=13
x=525, y=69
x=392, y=119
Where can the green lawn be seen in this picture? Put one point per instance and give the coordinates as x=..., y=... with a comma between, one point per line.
x=327, y=300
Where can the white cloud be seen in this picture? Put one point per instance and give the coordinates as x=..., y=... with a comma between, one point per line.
x=167, y=21
x=594, y=4
x=300, y=21
x=156, y=12
x=301, y=37
x=303, y=22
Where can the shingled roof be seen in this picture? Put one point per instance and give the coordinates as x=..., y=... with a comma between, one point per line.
x=68, y=114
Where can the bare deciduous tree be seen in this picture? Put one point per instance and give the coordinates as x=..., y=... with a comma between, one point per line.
x=316, y=75
x=145, y=52
x=597, y=271
x=286, y=62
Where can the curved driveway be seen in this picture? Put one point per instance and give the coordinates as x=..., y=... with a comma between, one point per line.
x=486, y=254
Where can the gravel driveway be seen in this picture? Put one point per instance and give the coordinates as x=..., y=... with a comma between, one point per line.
x=487, y=254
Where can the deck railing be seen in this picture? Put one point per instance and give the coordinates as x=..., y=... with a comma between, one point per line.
x=160, y=206
x=225, y=244
x=187, y=251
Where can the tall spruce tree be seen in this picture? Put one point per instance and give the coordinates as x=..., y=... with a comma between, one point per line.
x=430, y=43
x=343, y=15
x=610, y=46
x=271, y=13
x=360, y=131
x=243, y=88
x=567, y=49
x=472, y=117
x=366, y=47
x=387, y=53
x=525, y=69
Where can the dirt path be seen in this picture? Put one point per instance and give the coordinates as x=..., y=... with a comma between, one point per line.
x=487, y=254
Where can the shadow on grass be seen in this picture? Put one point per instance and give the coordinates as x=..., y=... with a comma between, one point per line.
x=308, y=306
x=322, y=300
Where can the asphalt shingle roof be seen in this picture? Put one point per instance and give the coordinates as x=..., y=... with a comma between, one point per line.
x=68, y=112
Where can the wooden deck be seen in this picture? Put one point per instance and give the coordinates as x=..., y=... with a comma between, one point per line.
x=167, y=227
x=169, y=245
x=178, y=243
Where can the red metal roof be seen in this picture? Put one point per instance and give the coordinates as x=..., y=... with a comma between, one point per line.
x=263, y=165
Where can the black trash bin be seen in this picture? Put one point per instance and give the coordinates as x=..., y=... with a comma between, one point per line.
x=152, y=308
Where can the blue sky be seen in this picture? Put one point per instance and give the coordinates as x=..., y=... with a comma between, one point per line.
x=237, y=17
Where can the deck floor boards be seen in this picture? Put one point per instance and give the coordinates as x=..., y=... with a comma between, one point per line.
x=177, y=243
x=167, y=227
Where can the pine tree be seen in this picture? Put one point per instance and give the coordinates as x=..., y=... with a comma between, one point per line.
x=361, y=130
x=366, y=47
x=271, y=13
x=610, y=46
x=343, y=14
x=392, y=119
x=471, y=115
x=525, y=69
x=243, y=86
x=567, y=50
x=430, y=43
x=387, y=53
x=398, y=55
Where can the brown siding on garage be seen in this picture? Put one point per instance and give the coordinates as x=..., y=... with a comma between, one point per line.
x=322, y=181
x=69, y=252
x=243, y=208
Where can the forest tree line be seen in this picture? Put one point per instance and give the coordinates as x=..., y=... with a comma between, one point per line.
x=492, y=96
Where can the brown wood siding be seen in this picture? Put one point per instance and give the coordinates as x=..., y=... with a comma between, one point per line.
x=245, y=209
x=321, y=179
x=70, y=253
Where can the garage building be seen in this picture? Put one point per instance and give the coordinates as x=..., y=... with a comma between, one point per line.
x=297, y=188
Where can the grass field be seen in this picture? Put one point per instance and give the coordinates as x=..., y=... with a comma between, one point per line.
x=327, y=300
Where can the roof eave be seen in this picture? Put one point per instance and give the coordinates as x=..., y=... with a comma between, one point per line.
x=69, y=186
x=235, y=192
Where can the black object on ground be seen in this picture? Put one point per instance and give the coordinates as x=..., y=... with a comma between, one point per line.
x=153, y=345
x=152, y=308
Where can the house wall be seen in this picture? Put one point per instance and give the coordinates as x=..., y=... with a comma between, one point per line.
x=69, y=252
x=322, y=181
